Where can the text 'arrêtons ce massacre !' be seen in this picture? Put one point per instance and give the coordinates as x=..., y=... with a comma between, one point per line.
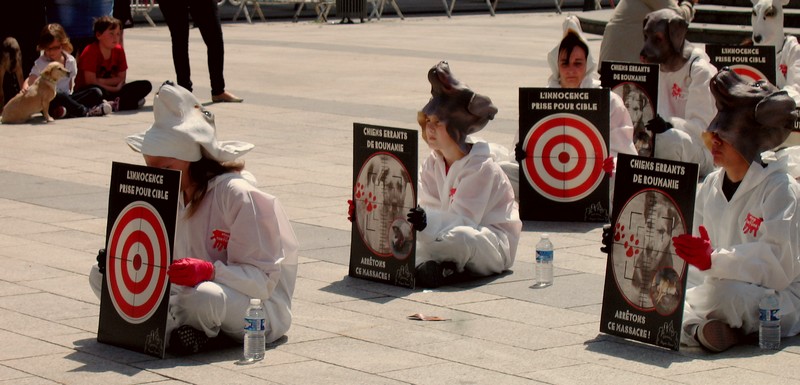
x=144, y=191
x=385, y=134
x=564, y=101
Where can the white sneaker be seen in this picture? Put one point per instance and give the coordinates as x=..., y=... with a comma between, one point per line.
x=101, y=109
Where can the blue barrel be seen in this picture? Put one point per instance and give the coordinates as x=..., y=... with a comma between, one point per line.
x=77, y=16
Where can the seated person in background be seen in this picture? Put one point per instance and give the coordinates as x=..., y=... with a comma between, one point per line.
x=55, y=46
x=233, y=242
x=572, y=66
x=746, y=220
x=467, y=219
x=103, y=65
x=685, y=106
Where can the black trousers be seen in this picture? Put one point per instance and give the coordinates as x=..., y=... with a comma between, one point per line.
x=129, y=95
x=78, y=103
x=205, y=16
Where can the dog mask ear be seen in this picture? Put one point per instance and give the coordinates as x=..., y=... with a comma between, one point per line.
x=482, y=107
x=677, y=28
x=776, y=111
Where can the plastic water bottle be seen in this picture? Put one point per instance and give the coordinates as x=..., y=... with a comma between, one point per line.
x=544, y=262
x=254, y=338
x=769, y=330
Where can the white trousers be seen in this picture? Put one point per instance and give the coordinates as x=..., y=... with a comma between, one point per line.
x=477, y=251
x=674, y=144
x=736, y=304
x=210, y=307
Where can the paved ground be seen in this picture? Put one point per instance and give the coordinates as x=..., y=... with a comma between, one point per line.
x=304, y=85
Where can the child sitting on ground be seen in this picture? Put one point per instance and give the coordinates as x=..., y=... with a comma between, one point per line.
x=54, y=45
x=103, y=66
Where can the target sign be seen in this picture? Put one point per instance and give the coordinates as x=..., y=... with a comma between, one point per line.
x=748, y=73
x=138, y=254
x=565, y=157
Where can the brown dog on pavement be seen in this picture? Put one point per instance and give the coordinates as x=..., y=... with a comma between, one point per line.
x=10, y=62
x=665, y=40
x=37, y=98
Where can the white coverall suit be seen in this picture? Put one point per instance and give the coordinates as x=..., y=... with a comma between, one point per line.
x=245, y=233
x=685, y=100
x=756, y=241
x=472, y=217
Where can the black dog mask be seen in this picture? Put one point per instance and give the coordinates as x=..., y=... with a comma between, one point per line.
x=751, y=117
x=463, y=111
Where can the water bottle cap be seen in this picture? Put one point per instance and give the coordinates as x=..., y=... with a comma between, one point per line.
x=255, y=301
x=545, y=235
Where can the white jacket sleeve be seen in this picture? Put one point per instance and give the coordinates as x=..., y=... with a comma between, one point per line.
x=700, y=108
x=620, y=128
x=770, y=260
x=792, y=63
x=261, y=241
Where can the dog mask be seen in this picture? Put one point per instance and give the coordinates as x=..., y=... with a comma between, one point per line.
x=767, y=22
x=184, y=130
x=665, y=38
x=463, y=111
x=753, y=118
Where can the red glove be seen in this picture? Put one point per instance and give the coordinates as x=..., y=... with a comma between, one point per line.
x=609, y=166
x=695, y=251
x=351, y=209
x=190, y=271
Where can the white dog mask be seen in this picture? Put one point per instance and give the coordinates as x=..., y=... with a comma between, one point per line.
x=183, y=129
x=767, y=22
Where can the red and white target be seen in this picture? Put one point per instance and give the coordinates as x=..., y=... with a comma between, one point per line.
x=138, y=255
x=747, y=73
x=565, y=157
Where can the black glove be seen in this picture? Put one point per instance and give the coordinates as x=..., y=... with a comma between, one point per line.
x=519, y=153
x=607, y=239
x=417, y=218
x=101, y=260
x=658, y=125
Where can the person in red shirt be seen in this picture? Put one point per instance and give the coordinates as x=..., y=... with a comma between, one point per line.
x=103, y=65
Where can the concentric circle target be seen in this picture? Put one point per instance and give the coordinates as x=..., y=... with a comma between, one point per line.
x=138, y=254
x=748, y=73
x=565, y=157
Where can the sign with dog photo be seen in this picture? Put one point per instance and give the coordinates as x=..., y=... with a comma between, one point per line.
x=637, y=85
x=142, y=211
x=645, y=280
x=753, y=63
x=383, y=244
x=564, y=133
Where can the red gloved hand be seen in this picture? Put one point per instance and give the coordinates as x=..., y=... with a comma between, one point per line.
x=351, y=209
x=609, y=166
x=190, y=271
x=695, y=251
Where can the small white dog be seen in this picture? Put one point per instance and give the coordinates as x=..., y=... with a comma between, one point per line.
x=767, y=21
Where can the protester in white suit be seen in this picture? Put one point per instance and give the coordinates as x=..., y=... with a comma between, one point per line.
x=746, y=238
x=573, y=66
x=233, y=242
x=467, y=219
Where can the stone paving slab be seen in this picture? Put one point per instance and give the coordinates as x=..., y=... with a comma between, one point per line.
x=304, y=85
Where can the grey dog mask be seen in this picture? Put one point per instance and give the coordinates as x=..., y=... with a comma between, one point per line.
x=463, y=111
x=753, y=118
